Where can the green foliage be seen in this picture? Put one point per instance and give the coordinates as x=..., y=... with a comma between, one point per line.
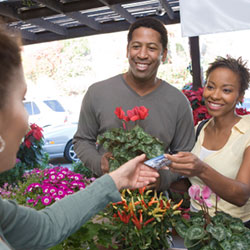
x=223, y=232
x=177, y=197
x=89, y=236
x=126, y=144
x=78, y=167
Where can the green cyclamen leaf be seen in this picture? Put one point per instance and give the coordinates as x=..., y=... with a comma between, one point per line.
x=195, y=232
x=181, y=229
x=218, y=232
x=239, y=245
x=226, y=245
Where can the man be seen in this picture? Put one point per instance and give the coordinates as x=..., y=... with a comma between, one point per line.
x=170, y=118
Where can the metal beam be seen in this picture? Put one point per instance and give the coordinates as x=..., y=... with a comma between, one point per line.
x=27, y=35
x=82, y=31
x=120, y=10
x=84, y=19
x=9, y=12
x=49, y=26
x=58, y=7
x=167, y=8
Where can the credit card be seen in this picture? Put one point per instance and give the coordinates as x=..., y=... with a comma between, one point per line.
x=158, y=162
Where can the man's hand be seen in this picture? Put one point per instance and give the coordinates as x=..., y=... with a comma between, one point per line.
x=134, y=174
x=105, y=162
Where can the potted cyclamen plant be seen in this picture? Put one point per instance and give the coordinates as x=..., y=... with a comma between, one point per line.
x=204, y=232
x=125, y=143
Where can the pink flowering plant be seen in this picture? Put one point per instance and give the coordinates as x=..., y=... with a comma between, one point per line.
x=205, y=232
x=129, y=140
x=43, y=187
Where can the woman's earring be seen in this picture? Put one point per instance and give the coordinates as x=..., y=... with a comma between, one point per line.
x=2, y=142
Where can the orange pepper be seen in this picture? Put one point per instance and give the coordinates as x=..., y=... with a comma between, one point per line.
x=152, y=201
x=177, y=205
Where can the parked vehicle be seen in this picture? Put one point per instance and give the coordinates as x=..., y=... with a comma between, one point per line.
x=46, y=112
x=58, y=141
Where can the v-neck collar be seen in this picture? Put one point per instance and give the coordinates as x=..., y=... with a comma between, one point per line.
x=144, y=96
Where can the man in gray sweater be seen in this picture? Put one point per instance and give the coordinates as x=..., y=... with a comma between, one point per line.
x=170, y=117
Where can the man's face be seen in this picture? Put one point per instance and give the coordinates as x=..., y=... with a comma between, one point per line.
x=145, y=53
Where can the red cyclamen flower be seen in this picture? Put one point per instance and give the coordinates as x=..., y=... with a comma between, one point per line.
x=137, y=113
x=143, y=112
x=119, y=113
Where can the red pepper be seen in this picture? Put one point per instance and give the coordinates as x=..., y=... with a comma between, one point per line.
x=120, y=215
x=127, y=218
x=117, y=203
x=136, y=222
x=168, y=204
x=141, y=190
x=148, y=221
x=161, y=204
x=124, y=217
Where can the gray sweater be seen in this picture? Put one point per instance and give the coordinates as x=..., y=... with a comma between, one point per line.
x=170, y=120
x=26, y=228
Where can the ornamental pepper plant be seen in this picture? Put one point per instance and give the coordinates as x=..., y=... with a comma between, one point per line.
x=142, y=220
x=125, y=143
x=205, y=232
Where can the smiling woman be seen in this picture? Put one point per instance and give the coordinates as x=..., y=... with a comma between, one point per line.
x=221, y=155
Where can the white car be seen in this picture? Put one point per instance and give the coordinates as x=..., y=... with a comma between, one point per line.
x=58, y=141
x=46, y=112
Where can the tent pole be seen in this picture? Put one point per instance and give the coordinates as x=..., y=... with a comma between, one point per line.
x=195, y=57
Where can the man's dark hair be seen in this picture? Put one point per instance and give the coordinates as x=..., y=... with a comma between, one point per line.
x=153, y=23
x=238, y=66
